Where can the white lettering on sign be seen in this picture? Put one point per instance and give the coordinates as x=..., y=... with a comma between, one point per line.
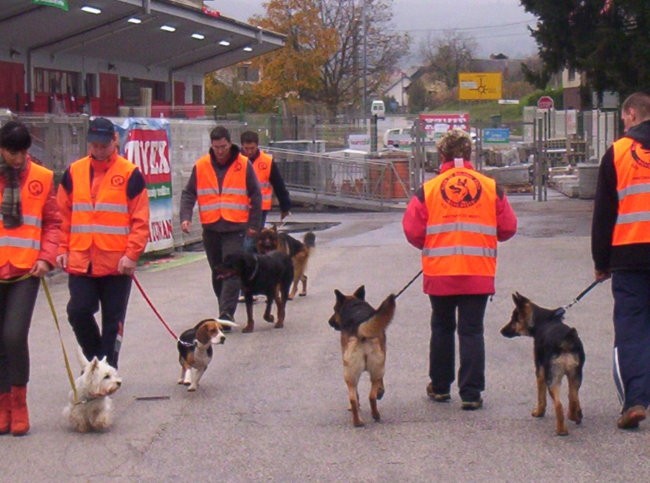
x=149, y=156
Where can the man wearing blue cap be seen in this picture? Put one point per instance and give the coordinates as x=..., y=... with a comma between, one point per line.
x=105, y=210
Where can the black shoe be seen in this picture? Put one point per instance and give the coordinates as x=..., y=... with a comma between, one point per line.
x=472, y=405
x=226, y=317
x=437, y=396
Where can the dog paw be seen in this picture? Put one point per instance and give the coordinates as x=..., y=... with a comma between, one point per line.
x=247, y=329
x=279, y=325
x=562, y=432
x=269, y=318
x=358, y=424
x=538, y=413
x=302, y=294
x=577, y=417
x=191, y=389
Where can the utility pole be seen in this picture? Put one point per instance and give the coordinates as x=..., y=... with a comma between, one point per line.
x=364, y=101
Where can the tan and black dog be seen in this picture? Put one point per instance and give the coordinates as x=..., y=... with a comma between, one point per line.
x=558, y=353
x=270, y=239
x=363, y=344
x=195, y=349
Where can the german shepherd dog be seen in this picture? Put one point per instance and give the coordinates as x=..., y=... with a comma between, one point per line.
x=363, y=344
x=558, y=353
x=270, y=239
x=269, y=275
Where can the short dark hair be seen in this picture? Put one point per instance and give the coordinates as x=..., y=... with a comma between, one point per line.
x=15, y=137
x=249, y=137
x=220, y=132
x=640, y=102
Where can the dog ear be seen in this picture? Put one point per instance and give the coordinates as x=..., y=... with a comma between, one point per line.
x=340, y=298
x=360, y=293
x=518, y=298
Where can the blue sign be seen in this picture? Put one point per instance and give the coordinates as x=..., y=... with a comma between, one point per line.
x=496, y=135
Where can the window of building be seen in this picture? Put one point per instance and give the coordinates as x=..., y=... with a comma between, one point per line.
x=197, y=92
x=51, y=81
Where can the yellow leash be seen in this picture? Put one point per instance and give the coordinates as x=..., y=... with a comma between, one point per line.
x=58, y=328
x=14, y=280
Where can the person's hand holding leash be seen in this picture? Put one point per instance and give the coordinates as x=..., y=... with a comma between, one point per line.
x=601, y=275
x=126, y=266
x=40, y=268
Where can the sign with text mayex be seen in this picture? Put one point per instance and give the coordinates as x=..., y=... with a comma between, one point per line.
x=496, y=136
x=62, y=4
x=479, y=86
x=145, y=142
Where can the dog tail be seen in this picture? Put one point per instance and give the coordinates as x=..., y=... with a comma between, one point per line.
x=309, y=239
x=376, y=325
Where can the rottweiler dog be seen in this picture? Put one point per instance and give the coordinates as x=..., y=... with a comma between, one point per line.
x=271, y=239
x=363, y=344
x=270, y=275
x=558, y=353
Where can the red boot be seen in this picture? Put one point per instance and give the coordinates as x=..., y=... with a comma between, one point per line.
x=5, y=412
x=19, y=414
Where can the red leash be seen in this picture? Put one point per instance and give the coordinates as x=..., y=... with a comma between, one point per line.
x=135, y=279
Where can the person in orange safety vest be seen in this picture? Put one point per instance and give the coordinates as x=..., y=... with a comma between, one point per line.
x=225, y=186
x=620, y=248
x=29, y=234
x=105, y=208
x=456, y=220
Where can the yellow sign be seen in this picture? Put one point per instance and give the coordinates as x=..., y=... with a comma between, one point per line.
x=479, y=86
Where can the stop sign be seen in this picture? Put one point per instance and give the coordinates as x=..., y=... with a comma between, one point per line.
x=545, y=102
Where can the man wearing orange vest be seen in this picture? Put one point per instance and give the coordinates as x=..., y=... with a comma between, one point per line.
x=456, y=220
x=29, y=232
x=105, y=208
x=225, y=186
x=620, y=247
x=268, y=174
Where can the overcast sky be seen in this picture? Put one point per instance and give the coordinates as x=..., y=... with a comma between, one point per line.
x=498, y=26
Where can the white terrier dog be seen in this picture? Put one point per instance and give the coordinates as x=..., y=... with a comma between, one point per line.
x=93, y=410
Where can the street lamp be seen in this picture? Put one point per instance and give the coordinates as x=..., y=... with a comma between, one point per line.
x=364, y=23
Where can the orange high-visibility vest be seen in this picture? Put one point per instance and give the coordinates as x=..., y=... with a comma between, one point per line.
x=106, y=223
x=231, y=203
x=632, y=164
x=262, y=166
x=461, y=237
x=20, y=246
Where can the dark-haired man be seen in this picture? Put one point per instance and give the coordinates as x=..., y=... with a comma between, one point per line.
x=225, y=186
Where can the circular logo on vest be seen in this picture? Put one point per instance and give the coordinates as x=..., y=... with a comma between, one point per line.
x=35, y=187
x=263, y=165
x=641, y=162
x=117, y=180
x=237, y=166
x=461, y=190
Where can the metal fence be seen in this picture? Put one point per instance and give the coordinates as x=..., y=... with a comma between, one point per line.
x=312, y=178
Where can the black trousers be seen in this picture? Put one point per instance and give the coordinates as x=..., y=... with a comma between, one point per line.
x=471, y=345
x=87, y=294
x=217, y=246
x=17, y=302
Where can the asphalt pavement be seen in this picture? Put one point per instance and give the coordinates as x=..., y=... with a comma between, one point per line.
x=272, y=406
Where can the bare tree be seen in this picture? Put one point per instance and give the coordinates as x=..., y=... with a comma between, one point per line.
x=446, y=56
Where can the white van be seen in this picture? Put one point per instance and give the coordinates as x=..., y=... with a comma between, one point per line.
x=377, y=108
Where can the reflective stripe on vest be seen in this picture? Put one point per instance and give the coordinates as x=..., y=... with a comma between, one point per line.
x=21, y=245
x=262, y=166
x=632, y=165
x=107, y=223
x=461, y=234
x=232, y=203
